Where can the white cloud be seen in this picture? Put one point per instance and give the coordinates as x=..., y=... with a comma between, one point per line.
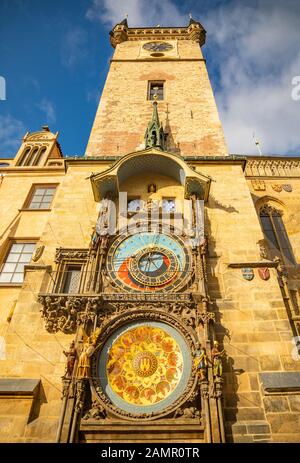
x=48, y=108
x=140, y=12
x=73, y=46
x=258, y=54
x=255, y=48
x=11, y=132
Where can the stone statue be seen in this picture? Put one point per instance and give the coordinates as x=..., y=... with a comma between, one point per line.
x=83, y=370
x=201, y=361
x=71, y=355
x=217, y=355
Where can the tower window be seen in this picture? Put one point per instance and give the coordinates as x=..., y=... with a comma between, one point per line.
x=41, y=197
x=275, y=233
x=13, y=268
x=156, y=88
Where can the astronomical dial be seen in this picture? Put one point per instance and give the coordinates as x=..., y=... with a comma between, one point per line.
x=157, y=46
x=148, y=262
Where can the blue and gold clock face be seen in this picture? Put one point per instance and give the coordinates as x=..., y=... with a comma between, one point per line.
x=148, y=262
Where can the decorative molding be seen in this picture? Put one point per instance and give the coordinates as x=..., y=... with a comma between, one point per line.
x=65, y=312
x=265, y=263
x=70, y=254
x=272, y=168
x=270, y=210
x=147, y=297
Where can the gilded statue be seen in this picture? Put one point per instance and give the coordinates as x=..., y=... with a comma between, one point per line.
x=83, y=370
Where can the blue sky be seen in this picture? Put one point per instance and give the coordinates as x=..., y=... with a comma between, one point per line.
x=54, y=56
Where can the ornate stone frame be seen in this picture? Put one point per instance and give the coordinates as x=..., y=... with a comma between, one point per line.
x=138, y=315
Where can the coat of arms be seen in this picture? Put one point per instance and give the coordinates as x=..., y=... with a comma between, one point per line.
x=287, y=187
x=248, y=273
x=277, y=187
x=258, y=185
x=264, y=273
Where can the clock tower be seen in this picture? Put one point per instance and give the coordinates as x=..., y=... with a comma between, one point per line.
x=167, y=61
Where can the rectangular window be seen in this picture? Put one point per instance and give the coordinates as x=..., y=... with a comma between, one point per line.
x=41, y=197
x=72, y=279
x=13, y=268
x=168, y=205
x=134, y=204
x=156, y=88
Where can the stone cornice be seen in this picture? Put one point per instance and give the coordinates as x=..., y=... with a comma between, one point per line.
x=273, y=167
x=122, y=33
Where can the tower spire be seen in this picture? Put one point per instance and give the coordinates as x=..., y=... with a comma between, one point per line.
x=154, y=135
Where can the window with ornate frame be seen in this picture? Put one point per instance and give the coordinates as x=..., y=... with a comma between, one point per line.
x=275, y=233
x=71, y=275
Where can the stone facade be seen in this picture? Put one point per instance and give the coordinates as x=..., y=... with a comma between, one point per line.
x=254, y=319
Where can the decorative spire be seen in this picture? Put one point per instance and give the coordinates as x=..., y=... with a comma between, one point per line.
x=154, y=136
x=125, y=21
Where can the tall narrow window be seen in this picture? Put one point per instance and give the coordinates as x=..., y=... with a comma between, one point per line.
x=275, y=232
x=13, y=268
x=156, y=88
x=24, y=156
x=40, y=156
x=31, y=158
x=72, y=279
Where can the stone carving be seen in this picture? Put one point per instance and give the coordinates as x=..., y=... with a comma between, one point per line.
x=262, y=249
x=97, y=412
x=140, y=297
x=187, y=413
x=277, y=187
x=66, y=313
x=216, y=356
x=81, y=386
x=287, y=187
x=71, y=355
x=258, y=185
x=38, y=253
x=186, y=312
x=270, y=210
x=70, y=254
x=206, y=317
x=276, y=168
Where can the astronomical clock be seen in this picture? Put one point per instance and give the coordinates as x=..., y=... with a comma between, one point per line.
x=149, y=262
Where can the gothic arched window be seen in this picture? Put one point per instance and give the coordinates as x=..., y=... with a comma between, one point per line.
x=275, y=233
x=24, y=156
